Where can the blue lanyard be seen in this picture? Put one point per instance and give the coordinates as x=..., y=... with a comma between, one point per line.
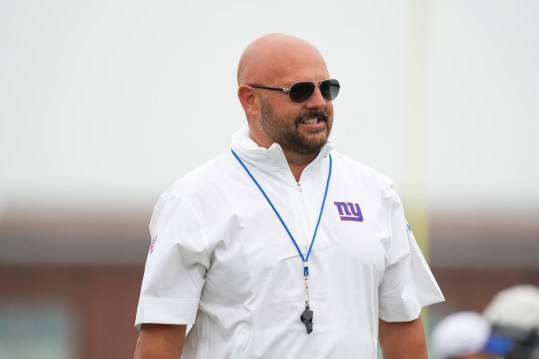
x=306, y=258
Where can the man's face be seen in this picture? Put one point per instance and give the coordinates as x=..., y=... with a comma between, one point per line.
x=299, y=128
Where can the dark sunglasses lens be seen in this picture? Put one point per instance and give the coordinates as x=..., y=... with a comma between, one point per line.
x=329, y=89
x=301, y=91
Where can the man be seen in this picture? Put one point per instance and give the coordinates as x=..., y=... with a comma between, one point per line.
x=279, y=248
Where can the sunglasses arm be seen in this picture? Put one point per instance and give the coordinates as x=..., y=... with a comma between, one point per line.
x=285, y=90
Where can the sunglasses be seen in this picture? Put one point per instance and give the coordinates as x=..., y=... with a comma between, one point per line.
x=302, y=91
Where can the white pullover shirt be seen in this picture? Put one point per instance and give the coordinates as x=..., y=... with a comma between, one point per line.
x=221, y=260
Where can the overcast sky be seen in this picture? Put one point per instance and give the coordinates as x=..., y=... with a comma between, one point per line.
x=103, y=104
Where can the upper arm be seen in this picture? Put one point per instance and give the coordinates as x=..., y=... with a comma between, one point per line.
x=408, y=283
x=402, y=340
x=160, y=341
x=176, y=265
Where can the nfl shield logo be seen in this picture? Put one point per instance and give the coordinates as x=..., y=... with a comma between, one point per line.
x=152, y=245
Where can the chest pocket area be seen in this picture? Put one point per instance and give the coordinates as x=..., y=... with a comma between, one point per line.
x=355, y=238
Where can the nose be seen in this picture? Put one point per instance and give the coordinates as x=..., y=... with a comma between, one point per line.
x=316, y=100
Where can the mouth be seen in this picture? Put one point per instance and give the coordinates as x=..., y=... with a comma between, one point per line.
x=309, y=121
x=312, y=121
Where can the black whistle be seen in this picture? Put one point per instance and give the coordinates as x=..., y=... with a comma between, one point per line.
x=307, y=319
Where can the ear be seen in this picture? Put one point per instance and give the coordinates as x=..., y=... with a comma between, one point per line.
x=248, y=100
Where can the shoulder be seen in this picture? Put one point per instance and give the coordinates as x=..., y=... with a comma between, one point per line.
x=205, y=178
x=355, y=173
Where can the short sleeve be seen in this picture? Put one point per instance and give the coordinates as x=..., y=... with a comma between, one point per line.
x=175, y=267
x=408, y=283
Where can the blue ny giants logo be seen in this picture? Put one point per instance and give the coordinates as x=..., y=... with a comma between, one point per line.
x=349, y=211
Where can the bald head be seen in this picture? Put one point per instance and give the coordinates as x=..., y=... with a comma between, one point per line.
x=277, y=57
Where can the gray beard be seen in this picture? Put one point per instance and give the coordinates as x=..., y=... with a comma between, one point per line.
x=287, y=136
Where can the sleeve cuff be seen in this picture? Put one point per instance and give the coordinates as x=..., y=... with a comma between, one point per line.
x=399, y=310
x=166, y=311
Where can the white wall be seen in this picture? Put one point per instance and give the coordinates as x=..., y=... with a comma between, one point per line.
x=104, y=103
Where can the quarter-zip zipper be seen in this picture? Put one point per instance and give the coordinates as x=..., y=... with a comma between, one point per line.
x=304, y=227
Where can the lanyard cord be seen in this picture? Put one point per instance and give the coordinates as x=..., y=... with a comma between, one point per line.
x=306, y=258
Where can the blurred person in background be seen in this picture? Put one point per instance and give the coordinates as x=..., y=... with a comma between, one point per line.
x=513, y=314
x=463, y=335
x=508, y=329
x=223, y=259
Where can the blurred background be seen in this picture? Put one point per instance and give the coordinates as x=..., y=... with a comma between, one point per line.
x=103, y=104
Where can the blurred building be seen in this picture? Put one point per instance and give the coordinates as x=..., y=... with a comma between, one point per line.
x=69, y=287
x=475, y=257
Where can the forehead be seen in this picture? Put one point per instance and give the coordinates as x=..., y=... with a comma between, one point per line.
x=302, y=72
x=280, y=61
x=298, y=66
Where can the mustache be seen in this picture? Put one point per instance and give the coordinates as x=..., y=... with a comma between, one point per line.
x=314, y=113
